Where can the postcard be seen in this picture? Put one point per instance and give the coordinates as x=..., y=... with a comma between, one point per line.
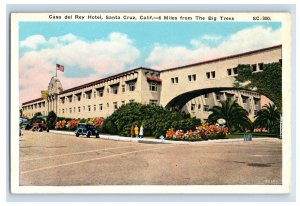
x=150, y=103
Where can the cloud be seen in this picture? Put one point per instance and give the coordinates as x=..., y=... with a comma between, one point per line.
x=33, y=41
x=212, y=46
x=97, y=58
x=206, y=40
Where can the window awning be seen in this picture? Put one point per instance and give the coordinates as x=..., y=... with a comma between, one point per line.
x=100, y=88
x=115, y=84
x=131, y=80
x=154, y=79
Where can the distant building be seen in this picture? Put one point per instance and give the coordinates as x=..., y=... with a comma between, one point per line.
x=195, y=88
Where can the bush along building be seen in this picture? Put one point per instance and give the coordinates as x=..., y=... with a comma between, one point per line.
x=193, y=88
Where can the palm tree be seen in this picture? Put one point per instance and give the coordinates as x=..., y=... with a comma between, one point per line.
x=236, y=116
x=269, y=118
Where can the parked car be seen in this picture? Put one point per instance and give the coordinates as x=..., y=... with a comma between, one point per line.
x=87, y=130
x=39, y=127
x=26, y=126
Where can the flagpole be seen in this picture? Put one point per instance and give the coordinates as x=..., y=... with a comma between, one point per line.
x=55, y=71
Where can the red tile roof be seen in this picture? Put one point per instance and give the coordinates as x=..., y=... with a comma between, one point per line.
x=104, y=80
x=155, y=79
x=32, y=101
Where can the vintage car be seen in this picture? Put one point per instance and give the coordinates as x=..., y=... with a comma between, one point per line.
x=39, y=127
x=87, y=130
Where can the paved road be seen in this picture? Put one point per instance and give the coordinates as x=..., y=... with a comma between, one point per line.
x=55, y=159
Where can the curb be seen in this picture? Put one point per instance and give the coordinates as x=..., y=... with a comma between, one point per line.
x=157, y=141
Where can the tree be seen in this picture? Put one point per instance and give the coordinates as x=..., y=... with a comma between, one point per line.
x=51, y=119
x=236, y=116
x=269, y=118
x=267, y=82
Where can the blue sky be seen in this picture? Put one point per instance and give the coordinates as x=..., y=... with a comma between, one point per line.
x=94, y=50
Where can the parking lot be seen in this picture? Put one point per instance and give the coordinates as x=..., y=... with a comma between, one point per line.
x=56, y=159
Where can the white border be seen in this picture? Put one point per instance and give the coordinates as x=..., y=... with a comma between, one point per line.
x=228, y=189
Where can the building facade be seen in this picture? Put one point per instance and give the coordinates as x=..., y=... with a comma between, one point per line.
x=190, y=86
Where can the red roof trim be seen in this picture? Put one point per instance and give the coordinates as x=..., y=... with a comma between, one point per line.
x=155, y=79
x=31, y=101
x=223, y=58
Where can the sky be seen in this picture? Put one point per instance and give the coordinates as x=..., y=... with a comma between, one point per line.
x=95, y=50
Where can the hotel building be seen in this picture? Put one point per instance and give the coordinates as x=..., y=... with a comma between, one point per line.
x=148, y=86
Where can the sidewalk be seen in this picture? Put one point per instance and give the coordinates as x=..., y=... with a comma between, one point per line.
x=156, y=141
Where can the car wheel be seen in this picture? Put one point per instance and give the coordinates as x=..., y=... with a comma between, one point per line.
x=88, y=134
x=77, y=134
x=97, y=136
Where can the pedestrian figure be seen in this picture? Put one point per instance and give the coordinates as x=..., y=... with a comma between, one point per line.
x=136, y=130
x=141, y=134
x=132, y=131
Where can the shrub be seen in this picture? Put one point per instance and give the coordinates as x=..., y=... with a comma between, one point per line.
x=202, y=132
x=155, y=120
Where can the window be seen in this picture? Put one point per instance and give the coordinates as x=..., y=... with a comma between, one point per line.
x=83, y=108
x=70, y=98
x=261, y=66
x=255, y=112
x=70, y=109
x=153, y=102
x=78, y=96
x=78, y=109
x=89, y=95
x=63, y=111
x=123, y=88
x=100, y=92
x=218, y=97
x=94, y=107
x=94, y=94
x=131, y=86
x=131, y=100
x=206, y=108
x=235, y=71
x=115, y=105
x=115, y=89
x=254, y=67
x=199, y=106
x=107, y=104
x=192, y=77
x=213, y=74
x=100, y=107
x=206, y=96
x=208, y=75
x=74, y=109
x=89, y=108
x=245, y=99
x=123, y=102
x=280, y=61
x=229, y=72
x=174, y=80
x=256, y=102
x=193, y=107
x=153, y=86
